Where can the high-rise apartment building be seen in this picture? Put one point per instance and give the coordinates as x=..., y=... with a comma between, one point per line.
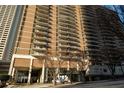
x=73, y=39
x=9, y=21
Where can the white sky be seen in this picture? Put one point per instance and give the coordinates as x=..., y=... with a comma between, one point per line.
x=62, y=2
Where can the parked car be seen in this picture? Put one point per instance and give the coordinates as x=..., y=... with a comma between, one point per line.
x=62, y=79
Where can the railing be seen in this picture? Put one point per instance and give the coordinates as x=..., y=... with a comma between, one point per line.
x=42, y=39
x=46, y=11
x=39, y=49
x=64, y=17
x=68, y=30
x=64, y=13
x=67, y=25
x=70, y=38
x=42, y=23
x=37, y=54
x=68, y=7
x=46, y=7
x=65, y=47
x=67, y=20
x=42, y=15
x=39, y=43
x=69, y=43
x=41, y=27
x=43, y=32
x=67, y=10
x=66, y=38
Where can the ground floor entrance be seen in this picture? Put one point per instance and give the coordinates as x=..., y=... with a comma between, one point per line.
x=22, y=76
x=49, y=73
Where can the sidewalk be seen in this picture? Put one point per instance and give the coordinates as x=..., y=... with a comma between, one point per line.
x=49, y=85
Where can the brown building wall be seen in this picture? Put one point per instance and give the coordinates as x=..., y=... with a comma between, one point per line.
x=86, y=25
x=53, y=29
x=26, y=29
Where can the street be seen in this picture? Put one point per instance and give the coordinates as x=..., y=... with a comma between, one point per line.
x=99, y=84
x=89, y=84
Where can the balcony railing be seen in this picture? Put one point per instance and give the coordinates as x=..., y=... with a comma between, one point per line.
x=71, y=38
x=67, y=20
x=67, y=10
x=46, y=7
x=42, y=39
x=46, y=11
x=68, y=47
x=40, y=43
x=38, y=27
x=68, y=29
x=41, y=23
x=42, y=15
x=64, y=17
x=68, y=7
x=39, y=49
x=64, y=13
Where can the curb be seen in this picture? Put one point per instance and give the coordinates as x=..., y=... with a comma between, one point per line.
x=64, y=85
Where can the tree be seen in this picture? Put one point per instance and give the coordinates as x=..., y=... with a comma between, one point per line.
x=54, y=64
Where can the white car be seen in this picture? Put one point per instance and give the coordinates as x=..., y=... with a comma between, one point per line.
x=62, y=79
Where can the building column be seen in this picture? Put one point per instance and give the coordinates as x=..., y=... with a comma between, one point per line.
x=16, y=75
x=13, y=73
x=42, y=77
x=11, y=66
x=46, y=76
x=79, y=77
x=30, y=70
x=68, y=65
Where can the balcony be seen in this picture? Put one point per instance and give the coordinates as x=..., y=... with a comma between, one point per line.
x=36, y=42
x=92, y=41
x=91, y=31
x=87, y=16
x=90, y=34
x=66, y=25
x=39, y=49
x=64, y=13
x=91, y=38
x=68, y=29
x=41, y=23
x=45, y=11
x=42, y=15
x=69, y=38
x=88, y=12
x=40, y=18
x=71, y=43
x=40, y=28
x=45, y=7
x=64, y=17
x=92, y=45
x=90, y=28
x=68, y=47
x=65, y=40
x=67, y=10
x=37, y=54
x=68, y=20
x=45, y=39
